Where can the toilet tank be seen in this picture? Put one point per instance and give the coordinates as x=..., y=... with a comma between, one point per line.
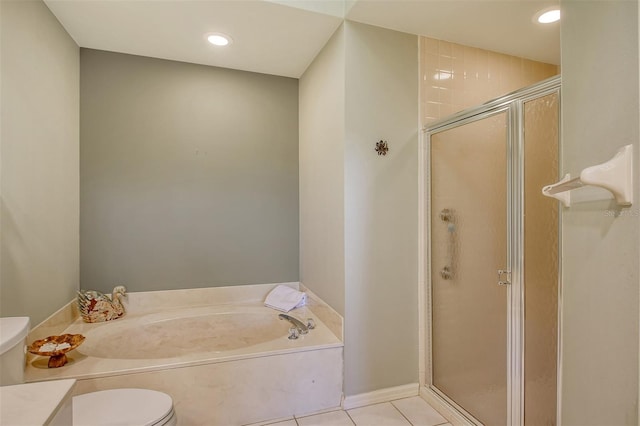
x=13, y=338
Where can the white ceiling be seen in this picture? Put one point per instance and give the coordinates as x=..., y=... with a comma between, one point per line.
x=504, y=26
x=282, y=37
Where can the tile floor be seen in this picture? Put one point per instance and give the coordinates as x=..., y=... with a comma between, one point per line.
x=401, y=412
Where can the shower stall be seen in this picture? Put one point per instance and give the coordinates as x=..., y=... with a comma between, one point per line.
x=491, y=274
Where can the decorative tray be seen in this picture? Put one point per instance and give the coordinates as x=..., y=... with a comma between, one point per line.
x=56, y=347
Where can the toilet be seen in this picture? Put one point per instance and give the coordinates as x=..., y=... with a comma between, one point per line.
x=139, y=407
x=124, y=407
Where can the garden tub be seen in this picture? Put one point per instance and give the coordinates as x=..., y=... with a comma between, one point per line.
x=228, y=364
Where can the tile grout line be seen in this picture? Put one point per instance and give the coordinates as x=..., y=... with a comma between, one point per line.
x=399, y=411
x=295, y=418
x=350, y=418
x=437, y=424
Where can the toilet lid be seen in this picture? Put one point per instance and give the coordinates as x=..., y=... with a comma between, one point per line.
x=142, y=407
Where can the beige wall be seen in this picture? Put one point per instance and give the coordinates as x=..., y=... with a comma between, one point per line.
x=381, y=221
x=601, y=242
x=39, y=162
x=456, y=77
x=359, y=223
x=189, y=175
x=322, y=118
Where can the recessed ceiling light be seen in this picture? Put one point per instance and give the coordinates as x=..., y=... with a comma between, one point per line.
x=219, y=39
x=548, y=16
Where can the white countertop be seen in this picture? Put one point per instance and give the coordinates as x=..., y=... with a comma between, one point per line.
x=33, y=403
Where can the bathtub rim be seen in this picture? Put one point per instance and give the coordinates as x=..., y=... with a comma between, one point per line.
x=318, y=339
x=145, y=301
x=110, y=329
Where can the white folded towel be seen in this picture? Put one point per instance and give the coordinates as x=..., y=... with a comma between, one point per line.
x=285, y=298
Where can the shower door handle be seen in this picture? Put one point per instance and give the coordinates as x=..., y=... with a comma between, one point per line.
x=504, y=277
x=447, y=216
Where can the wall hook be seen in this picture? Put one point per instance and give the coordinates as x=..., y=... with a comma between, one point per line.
x=382, y=147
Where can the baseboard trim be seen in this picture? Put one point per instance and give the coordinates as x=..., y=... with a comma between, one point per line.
x=380, y=395
x=441, y=406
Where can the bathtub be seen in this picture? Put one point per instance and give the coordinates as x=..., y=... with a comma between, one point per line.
x=223, y=364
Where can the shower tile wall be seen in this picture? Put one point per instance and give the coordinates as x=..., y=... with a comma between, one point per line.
x=455, y=77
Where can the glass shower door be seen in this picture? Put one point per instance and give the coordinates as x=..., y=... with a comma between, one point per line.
x=469, y=233
x=541, y=129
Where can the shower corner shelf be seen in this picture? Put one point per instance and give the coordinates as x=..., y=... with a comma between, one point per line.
x=615, y=175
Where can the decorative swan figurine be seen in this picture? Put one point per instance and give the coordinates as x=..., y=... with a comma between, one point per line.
x=97, y=307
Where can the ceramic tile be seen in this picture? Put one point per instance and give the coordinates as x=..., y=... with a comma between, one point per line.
x=431, y=45
x=419, y=412
x=432, y=110
x=477, y=76
x=379, y=414
x=432, y=94
x=446, y=110
x=333, y=418
x=444, y=48
x=284, y=423
x=457, y=50
x=271, y=422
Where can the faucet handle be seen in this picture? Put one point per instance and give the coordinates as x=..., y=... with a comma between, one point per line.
x=293, y=333
x=311, y=324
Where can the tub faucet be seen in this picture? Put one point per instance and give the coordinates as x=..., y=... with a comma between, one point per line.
x=298, y=326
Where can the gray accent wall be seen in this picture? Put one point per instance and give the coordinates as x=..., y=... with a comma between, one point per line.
x=601, y=241
x=360, y=240
x=39, y=164
x=189, y=175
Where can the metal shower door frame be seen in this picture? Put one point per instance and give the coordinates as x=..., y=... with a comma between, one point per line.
x=513, y=105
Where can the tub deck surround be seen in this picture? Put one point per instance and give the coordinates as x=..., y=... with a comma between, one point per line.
x=326, y=313
x=244, y=391
x=37, y=403
x=154, y=301
x=222, y=356
x=181, y=337
x=56, y=323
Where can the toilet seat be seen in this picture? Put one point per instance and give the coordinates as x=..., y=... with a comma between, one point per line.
x=140, y=407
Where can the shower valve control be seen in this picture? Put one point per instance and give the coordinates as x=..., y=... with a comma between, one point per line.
x=504, y=277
